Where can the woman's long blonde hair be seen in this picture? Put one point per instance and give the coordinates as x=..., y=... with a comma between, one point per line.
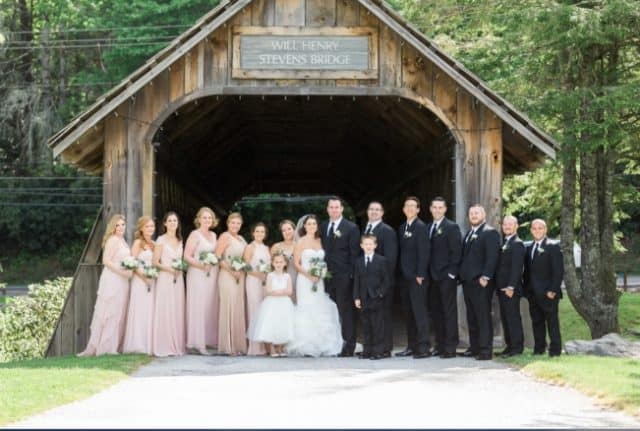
x=111, y=227
x=141, y=222
x=202, y=210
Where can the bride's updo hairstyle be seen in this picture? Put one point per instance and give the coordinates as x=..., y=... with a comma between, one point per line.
x=302, y=232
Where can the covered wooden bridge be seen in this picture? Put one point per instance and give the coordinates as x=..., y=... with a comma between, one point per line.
x=292, y=96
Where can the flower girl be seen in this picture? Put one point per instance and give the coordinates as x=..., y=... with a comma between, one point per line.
x=274, y=321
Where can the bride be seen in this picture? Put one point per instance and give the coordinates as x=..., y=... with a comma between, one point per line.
x=316, y=319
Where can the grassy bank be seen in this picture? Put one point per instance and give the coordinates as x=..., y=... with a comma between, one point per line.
x=614, y=382
x=32, y=386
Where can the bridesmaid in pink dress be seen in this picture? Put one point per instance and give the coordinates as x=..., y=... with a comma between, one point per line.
x=232, y=330
x=255, y=254
x=202, y=285
x=286, y=247
x=168, y=316
x=139, y=328
x=109, y=314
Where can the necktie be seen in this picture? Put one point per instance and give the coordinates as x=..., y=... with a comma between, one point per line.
x=434, y=228
x=368, y=232
x=330, y=229
x=533, y=252
x=367, y=261
x=466, y=240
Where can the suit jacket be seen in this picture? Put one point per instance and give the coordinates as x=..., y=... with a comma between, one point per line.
x=480, y=254
x=545, y=271
x=511, y=265
x=341, y=251
x=446, y=250
x=387, y=245
x=414, y=250
x=372, y=281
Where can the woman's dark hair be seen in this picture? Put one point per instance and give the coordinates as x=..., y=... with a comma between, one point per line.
x=302, y=232
x=164, y=228
x=257, y=225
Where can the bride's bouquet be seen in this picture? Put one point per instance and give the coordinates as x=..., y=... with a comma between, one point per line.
x=130, y=263
x=208, y=258
x=318, y=269
x=150, y=272
x=179, y=265
x=237, y=263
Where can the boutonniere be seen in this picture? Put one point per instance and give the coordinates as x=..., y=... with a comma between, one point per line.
x=474, y=237
x=407, y=234
x=337, y=233
x=540, y=250
x=505, y=246
x=439, y=231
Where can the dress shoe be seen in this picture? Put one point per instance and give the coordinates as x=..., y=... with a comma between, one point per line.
x=422, y=355
x=538, y=352
x=405, y=352
x=364, y=355
x=505, y=351
x=375, y=357
x=358, y=354
x=436, y=352
x=386, y=354
x=483, y=357
x=445, y=355
x=468, y=353
x=345, y=354
x=554, y=354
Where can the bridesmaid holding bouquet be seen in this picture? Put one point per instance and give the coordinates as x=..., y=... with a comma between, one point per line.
x=232, y=330
x=139, y=326
x=109, y=315
x=202, y=284
x=168, y=319
x=258, y=257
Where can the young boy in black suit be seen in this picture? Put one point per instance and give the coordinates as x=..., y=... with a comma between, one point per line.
x=371, y=283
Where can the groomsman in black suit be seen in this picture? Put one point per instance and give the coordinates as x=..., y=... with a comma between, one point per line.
x=340, y=240
x=543, y=273
x=509, y=286
x=413, y=242
x=387, y=247
x=370, y=286
x=446, y=249
x=479, y=261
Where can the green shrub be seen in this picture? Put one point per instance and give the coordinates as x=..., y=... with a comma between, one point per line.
x=27, y=322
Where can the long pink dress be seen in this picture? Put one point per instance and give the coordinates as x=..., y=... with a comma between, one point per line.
x=139, y=327
x=168, y=316
x=255, y=293
x=109, y=314
x=232, y=330
x=202, y=300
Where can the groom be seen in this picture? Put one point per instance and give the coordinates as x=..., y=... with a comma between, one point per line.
x=340, y=240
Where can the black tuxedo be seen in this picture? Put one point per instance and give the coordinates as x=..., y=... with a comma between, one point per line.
x=543, y=272
x=509, y=274
x=479, y=259
x=414, y=246
x=388, y=247
x=341, y=251
x=446, y=249
x=371, y=284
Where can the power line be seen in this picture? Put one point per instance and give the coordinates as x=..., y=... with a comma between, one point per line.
x=62, y=205
x=113, y=45
x=49, y=178
x=104, y=29
x=55, y=42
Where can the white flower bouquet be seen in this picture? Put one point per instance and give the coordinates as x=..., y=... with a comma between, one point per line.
x=318, y=269
x=130, y=263
x=179, y=265
x=208, y=258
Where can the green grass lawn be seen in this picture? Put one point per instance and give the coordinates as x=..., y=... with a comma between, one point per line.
x=31, y=386
x=614, y=381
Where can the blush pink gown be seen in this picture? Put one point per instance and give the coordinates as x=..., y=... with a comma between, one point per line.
x=139, y=325
x=255, y=294
x=168, y=316
x=232, y=330
x=202, y=300
x=109, y=314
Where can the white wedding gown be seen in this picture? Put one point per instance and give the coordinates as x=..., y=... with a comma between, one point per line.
x=316, y=322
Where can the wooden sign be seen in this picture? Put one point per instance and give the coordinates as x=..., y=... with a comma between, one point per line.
x=303, y=52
